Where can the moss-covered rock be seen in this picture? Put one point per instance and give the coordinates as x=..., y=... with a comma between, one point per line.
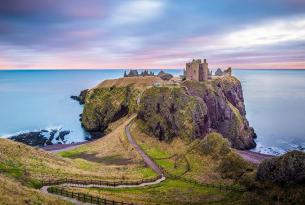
x=106, y=105
x=196, y=108
x=167, y=112
x=230, y=165
x=214, y=144
x=289, y=167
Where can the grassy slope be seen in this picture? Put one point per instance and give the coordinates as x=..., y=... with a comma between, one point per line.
x=13, y=192
x=107, y=158
x=173, y=191
x=137, y=82
x=114, y=156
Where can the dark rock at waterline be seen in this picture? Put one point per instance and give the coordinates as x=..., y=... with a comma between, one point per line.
x=62, y=135
x=31, y=138
x=287, y=168
x=41, y=138
x=81, y=98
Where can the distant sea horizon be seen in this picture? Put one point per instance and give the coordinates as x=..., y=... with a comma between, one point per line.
x=40, y=99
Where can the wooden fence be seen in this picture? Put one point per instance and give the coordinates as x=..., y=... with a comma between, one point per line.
x=51, y=182
x=85, y=197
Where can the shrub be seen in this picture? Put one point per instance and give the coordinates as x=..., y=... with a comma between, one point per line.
x=215, y=145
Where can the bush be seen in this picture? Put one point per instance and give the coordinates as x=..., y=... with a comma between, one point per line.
x=284, y=169
x=215, y=145
x=233, y=166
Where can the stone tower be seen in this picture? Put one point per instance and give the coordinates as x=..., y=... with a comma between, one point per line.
x=196, y=70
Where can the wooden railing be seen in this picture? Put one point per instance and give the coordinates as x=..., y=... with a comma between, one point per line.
x=51, y=182
x=85, y=197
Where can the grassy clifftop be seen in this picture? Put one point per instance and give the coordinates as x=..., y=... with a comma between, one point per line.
x=139, y=83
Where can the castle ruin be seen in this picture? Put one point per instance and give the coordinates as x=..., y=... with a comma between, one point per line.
x=196, y=70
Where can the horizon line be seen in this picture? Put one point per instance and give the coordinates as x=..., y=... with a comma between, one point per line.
x=95, y=69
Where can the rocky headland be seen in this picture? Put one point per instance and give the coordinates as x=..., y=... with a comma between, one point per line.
x=170, y=108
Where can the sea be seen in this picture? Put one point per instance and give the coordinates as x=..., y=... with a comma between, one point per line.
x=35, y=100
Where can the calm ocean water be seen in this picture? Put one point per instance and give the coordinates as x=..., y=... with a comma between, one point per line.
x=36, y=100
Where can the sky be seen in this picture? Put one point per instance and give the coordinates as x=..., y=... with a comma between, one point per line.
x=97, y=34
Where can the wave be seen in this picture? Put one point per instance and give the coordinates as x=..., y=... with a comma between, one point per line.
x=48, y=128
x=277, y=151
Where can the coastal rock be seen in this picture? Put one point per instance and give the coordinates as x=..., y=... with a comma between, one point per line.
x=62, y=134
x=41, y=138
x=81, y=98
x=287, y=168
x=196, y=108
x=31, y=138
x=106, y=105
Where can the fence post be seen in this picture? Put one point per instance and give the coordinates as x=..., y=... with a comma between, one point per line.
x=113, y=202
x=91, y=198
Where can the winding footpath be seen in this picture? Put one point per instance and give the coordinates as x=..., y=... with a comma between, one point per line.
x=148, y=161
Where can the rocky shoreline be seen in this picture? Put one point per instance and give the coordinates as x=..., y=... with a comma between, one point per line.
x=42, y=138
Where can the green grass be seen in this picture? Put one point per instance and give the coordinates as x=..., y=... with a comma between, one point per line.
x=73, y=152
x=169, y=192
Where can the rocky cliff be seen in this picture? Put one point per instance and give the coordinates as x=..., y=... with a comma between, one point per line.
x=104, y=105
x=196, y=108
x=189, y=110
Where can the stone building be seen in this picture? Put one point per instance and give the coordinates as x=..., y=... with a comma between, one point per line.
x=196, y=70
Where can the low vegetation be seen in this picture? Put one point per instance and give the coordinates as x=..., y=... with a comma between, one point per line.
x=13, y=192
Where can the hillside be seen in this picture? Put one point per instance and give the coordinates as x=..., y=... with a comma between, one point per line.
x=15, y=193
x=108, y=158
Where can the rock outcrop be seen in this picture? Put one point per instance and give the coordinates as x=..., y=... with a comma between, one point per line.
x=196, y=108
x=42, y=138
x=287, y=168
x=81, y=98
x=104, y=105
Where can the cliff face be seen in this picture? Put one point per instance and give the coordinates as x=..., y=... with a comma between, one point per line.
x=105, y=105
x=189, y=110
x=196, y=108
x=168, y=112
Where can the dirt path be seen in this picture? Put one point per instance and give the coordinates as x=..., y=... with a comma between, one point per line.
x=253, y=157
x=146, y=158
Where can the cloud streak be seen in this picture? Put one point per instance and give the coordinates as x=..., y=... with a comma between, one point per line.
x=59, y=34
